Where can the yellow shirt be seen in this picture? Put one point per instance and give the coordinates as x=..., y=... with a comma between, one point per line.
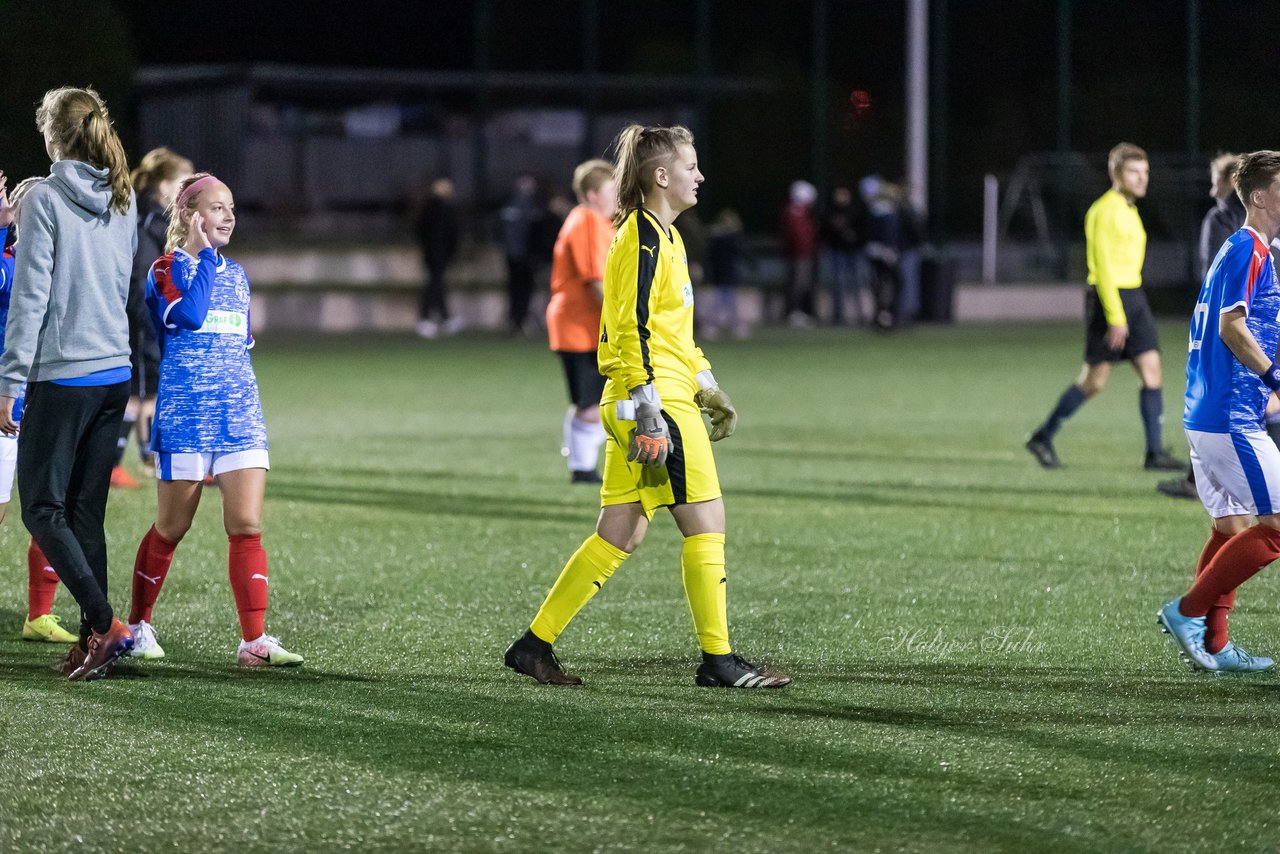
x=1115, y=245
x=646, y=322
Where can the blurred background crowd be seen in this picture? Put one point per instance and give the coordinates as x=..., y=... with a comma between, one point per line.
x=406, y=166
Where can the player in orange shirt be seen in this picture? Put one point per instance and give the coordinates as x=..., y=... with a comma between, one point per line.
x=573, y=314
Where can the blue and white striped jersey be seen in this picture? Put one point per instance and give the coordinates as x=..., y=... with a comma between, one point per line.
x=208, y=396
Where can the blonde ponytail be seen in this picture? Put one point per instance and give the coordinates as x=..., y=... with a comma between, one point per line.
x=638, y=151
x=77, y=123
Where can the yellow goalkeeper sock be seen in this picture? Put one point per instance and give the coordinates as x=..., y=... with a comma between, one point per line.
x=584, y=575
x=702, y=568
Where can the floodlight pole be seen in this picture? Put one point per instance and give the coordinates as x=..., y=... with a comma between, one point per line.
x=918, y=104
x=1063, y=141
x=1193, y=77
x=482, y=20
x=590, y=78
x=819, y=155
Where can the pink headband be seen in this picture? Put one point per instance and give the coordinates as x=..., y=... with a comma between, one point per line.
x=193, y=188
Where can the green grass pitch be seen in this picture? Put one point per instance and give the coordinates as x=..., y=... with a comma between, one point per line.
x=973, y=640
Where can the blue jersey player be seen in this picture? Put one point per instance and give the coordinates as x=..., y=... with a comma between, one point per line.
x=42, y=581
x=208, y=418
x=1231, y=376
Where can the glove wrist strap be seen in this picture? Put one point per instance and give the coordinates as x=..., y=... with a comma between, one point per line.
x=646, y=395
x=706, y=380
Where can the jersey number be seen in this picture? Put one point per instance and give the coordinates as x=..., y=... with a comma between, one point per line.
x=1198, y=321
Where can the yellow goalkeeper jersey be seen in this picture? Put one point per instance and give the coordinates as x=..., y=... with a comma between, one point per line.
x=1115, y=246
x=646, y=323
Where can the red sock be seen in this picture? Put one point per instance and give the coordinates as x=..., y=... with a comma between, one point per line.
x=150, y=567
x=42, y=582
x=247, y=569
x=1235, y=563
x=1215, y=636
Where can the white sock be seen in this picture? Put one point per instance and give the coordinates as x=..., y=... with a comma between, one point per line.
x=585, y=442
x=566, y=436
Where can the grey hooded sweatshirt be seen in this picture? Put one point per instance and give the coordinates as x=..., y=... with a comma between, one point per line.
x=70, y=280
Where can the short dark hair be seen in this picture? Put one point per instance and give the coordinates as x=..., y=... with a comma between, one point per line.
x=1257, y=170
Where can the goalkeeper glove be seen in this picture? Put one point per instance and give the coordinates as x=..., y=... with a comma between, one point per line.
x=712, y=400
x=650, y=439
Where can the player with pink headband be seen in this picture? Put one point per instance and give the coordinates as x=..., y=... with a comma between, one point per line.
x=208, y=418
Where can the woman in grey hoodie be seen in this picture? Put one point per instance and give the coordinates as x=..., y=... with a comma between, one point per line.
x=67, y=339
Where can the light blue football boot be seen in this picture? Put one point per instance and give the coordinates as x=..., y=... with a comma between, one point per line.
x=1188, y=634
x=1233, y=659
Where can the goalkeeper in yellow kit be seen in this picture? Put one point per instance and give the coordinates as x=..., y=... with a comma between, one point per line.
x=658, y=453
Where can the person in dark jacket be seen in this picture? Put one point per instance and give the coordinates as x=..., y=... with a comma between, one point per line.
x=885, y=231
x=843, y=234
x=518, y=225
x=726, y=252
x=1220, y=222
x=155, y=182
x=1227, y=214
x=438, y=237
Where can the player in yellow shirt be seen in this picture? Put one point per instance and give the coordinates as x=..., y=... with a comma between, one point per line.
x=1118, y=322
x=658, y=453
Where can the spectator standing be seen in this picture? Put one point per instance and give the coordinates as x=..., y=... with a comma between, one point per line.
x=438, y=237
x=842, y=236
x=726, y=251
x=799, y=250
x=884, y=241
x=906, y=303
x=519, y=218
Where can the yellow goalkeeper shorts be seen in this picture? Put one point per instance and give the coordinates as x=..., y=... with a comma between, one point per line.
x=689, y=475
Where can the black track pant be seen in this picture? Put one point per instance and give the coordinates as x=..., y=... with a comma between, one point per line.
x=65, y=454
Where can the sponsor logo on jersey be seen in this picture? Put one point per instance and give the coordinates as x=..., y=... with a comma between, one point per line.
x=225, y=323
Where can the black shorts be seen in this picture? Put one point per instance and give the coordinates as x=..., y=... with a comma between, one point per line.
x=586, y=385
x=1142, y=327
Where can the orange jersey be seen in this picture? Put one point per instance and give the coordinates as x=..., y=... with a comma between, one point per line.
x=573, y=314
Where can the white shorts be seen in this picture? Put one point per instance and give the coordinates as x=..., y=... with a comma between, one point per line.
x=197, y=466
x=1237, y=474
x=8, y=465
